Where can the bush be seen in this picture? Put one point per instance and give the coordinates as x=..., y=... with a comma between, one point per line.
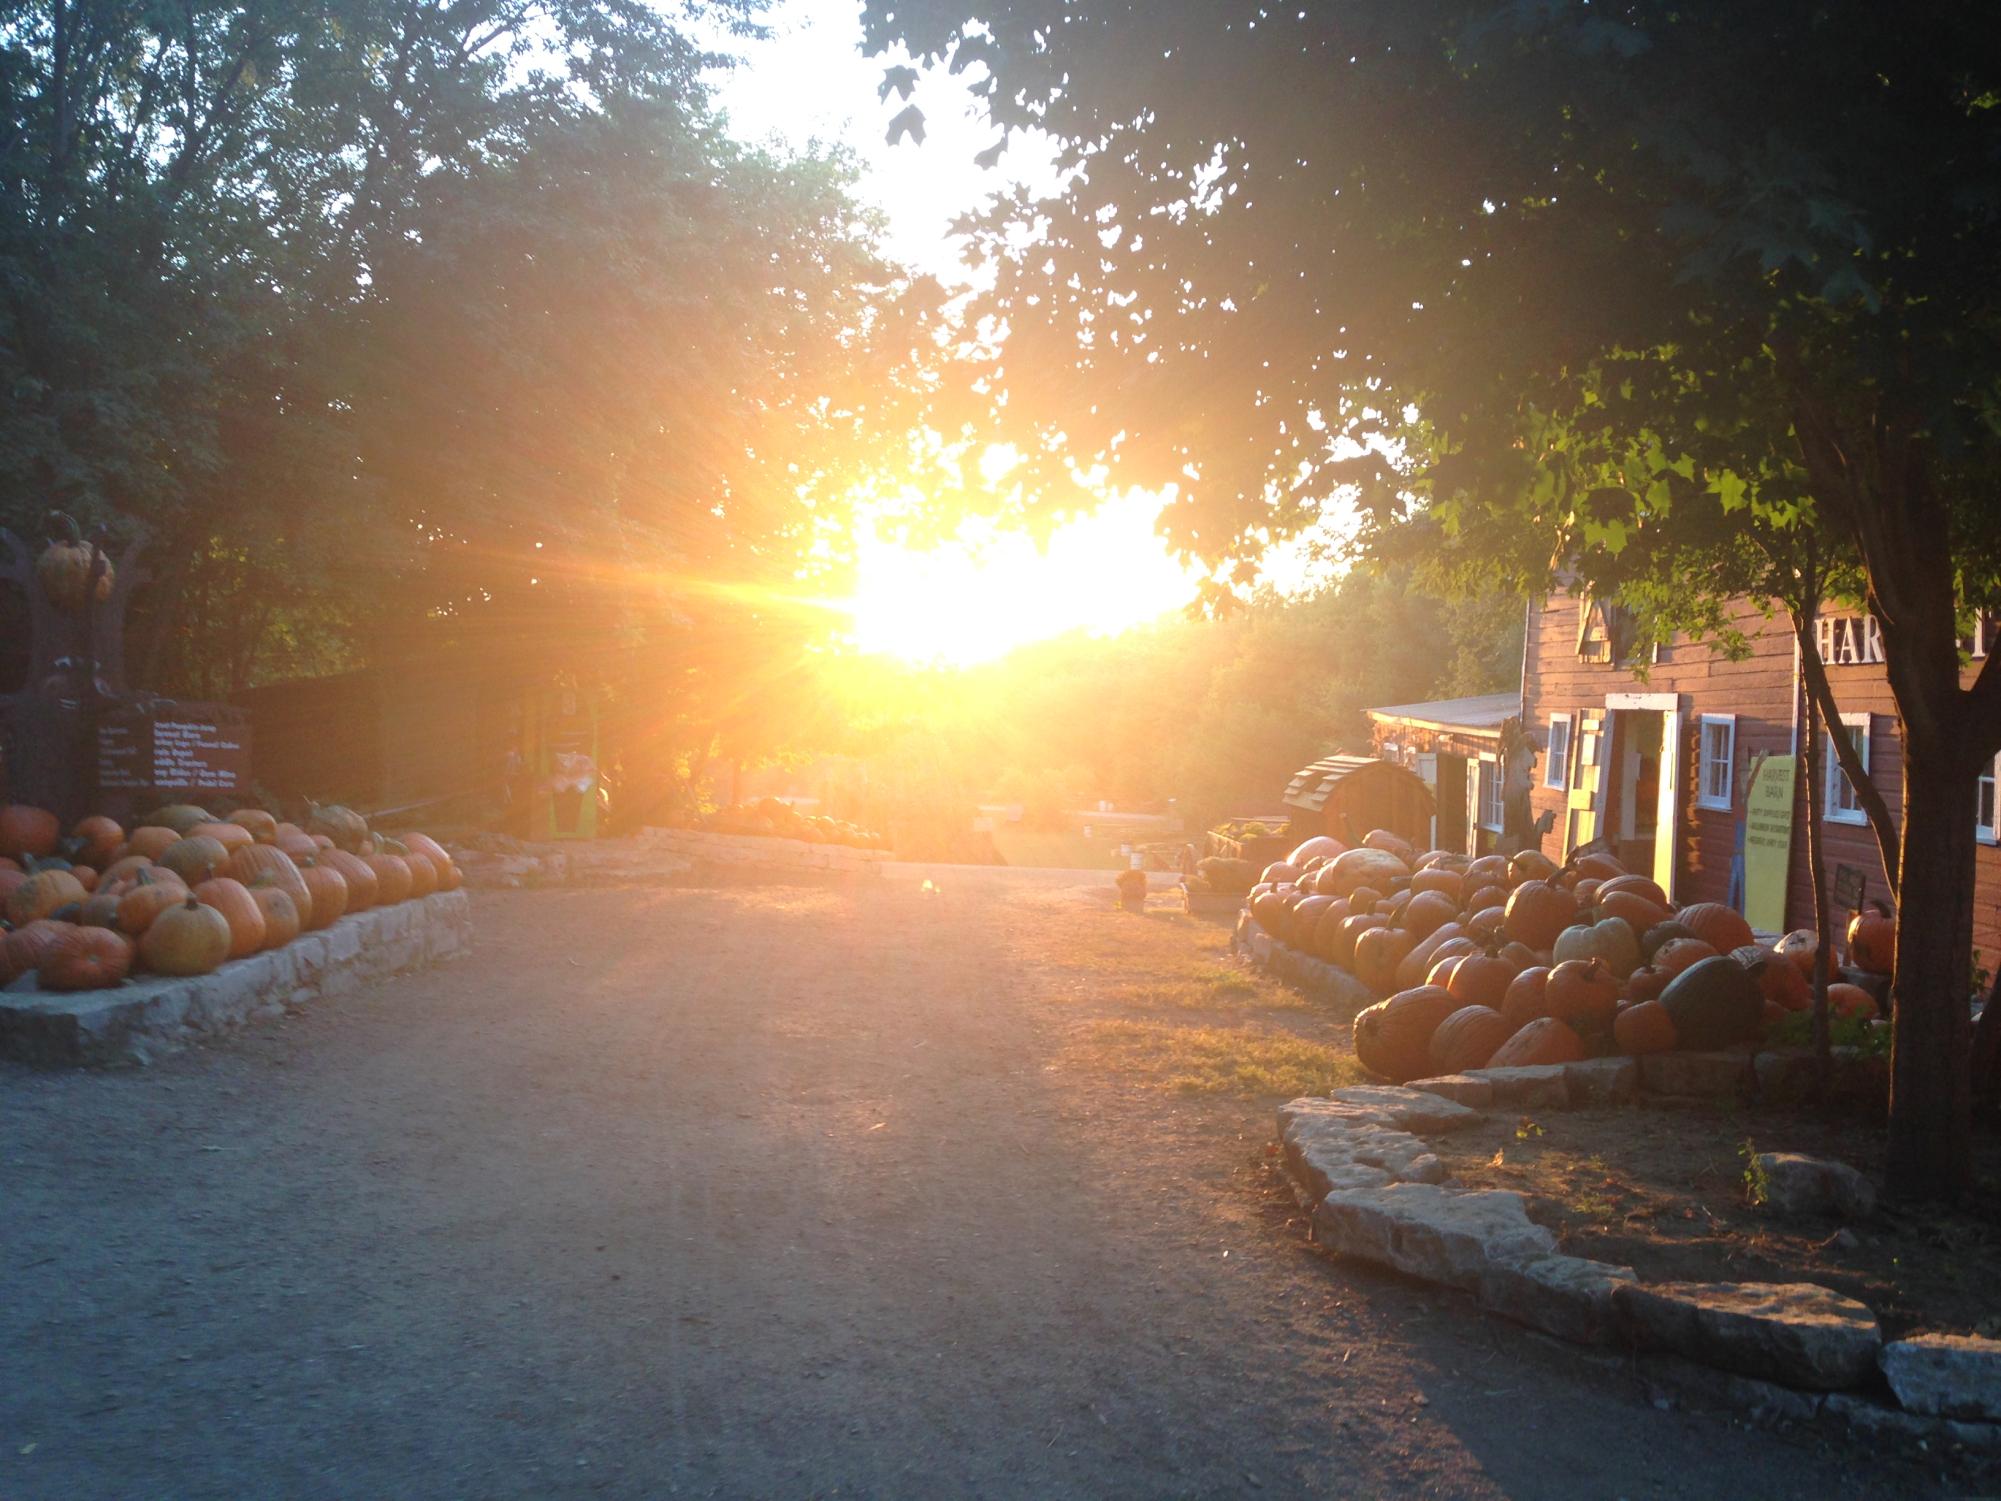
x=1227, y=877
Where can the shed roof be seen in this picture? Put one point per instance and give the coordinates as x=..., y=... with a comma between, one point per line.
x=1481, y=714
x=1311, y=786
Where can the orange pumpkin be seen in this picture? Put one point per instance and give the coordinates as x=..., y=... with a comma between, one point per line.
x=1779, y=981
x=362, y=886
x=1639, y=912
x=1636, y=885
x=1488, y=922
x=1799, y=947
x=1850, y=1001
x=280, y=913
x=195, y=858
x=26, y=830
x=1435, y=878
x=1468, y=1038
x=1341, y=949
x=1872, y=940
x=1644, y=1028
x=263, y=826
x=1417, y=963
x=98, y=839
x=1377, y=953
x=186, y=939
x=231, y=836
x=239, y=909
x=1601, y=868
x=1544, y=1040
x=268, y=865
x=40, y=894
x=1646, y=983
x=451, y=877
x=1481, y=979
x=86, y=959
x=98, y=910
x=430, y=849
x=297, y=846
x=150, y=841
x=1488, y=870
x=1677, y=954
x=25, y=947
x=1393, y=1037
x=1523, y=1001
x=122, y=870
x=424, y=880
x=1485, y=896
x=1539, y=910
x=392, y=876
x=1582, y=992
x=85, y=877
x=1722, y=928
x=1426, y=912
x=153, y=892
x=327, y=889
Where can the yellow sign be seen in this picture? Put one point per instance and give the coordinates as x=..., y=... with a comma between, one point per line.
x=1768, y=842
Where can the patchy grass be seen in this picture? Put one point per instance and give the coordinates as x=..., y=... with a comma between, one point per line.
x=1215, y=1060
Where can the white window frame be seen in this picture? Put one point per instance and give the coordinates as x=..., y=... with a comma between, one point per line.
x=1556, y=768
x=1832, y=809
x=1719, y=802
x=1489, y=766
x=1989, y=832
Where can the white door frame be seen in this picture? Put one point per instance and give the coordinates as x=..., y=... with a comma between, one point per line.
x=1667, y=818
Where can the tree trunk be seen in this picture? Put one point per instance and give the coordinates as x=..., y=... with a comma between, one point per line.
x=1930, y=1145
x=1820, y=693
x=1823, y=953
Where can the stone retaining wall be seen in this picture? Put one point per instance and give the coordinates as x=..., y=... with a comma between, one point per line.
x=150, y=1015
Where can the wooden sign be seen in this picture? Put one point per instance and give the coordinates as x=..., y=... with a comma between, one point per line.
x=1851, y=887
x=154, y=754
x=1768, y=842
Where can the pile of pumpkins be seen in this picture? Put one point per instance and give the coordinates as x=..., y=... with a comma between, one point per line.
x=182, y=892
x=1496, y=962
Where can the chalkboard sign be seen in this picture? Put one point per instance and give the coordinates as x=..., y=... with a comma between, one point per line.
x=169, y=750
x=1851, y=884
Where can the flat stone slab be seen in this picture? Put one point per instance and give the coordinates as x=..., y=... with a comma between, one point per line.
x=1946, y=1375
x=1332, y=1145
x=1876, y=1421
x=1602, y=1081
x=1797, y=1333
x=1725, y=1074
x=1795, y=1183
x=1566, y=1296
x=1759, y=1401
x=1541, y=1086
x=1464, y=1089
x=1440, y=1234
x=1407, y=1108
x=140, y=1019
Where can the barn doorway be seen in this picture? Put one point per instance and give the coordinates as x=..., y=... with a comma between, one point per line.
x=1633, y=795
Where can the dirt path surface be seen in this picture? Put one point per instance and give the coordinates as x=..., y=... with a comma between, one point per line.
x=759, y=1193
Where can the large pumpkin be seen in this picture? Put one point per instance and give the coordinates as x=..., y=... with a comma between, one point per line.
x=1583, y=993
x=41, y=893
x=1278, y=873
x=1481, y=979
x=267, y=865
x=1637, y=885
x=1611, y=940
x=1427, y=912
x=1637, y=911
x=187, y=939
x=263, y=826
x=231, y=836
x=150, y=841
x=1599, y=867
x=180, y=817
x=1538, y=911
x=327, y=888
x=1644, y=1028
x=1467, y=1039
x=1377, y=954
x=25, y=830
x=1544, y=1040
x=1678, y=954
x=1390, y=842
x=1799, y=948
x=280, y=914
x=1530, y=865
x=1417, y=963
x=1354, y=869
x=1320, y=845
x=194, y=858
x=1393, y=1037
x=1523, y=1001
x=1300, y=923
x=153, y=892
x=1779, y=980
x=1714, y=1002
x=1341, y=948
x=1722, y=928
x=1850, y=1002
x=1438, y=878
x=362, y=887
x=26, y=947
x=393, y=880
x=345, y=827
x=239, y=909
x=97, y=839
x=86, y=959
x=1872, y=940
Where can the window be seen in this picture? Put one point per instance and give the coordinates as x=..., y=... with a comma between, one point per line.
x=1488, y=805
x=1716, y=771
x=1556, y=770
x=1842, y=804
x=1985, y=826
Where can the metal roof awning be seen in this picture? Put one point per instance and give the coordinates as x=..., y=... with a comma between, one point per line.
x=1482, y=714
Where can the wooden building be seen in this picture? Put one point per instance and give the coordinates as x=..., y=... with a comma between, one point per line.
x=1346, y=796
x=1454, y=746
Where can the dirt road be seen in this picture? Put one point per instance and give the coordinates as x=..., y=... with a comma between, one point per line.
x=775, y=1193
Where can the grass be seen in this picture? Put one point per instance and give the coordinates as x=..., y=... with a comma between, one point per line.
x=1217, y=1060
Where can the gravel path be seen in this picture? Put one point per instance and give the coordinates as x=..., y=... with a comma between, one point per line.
x=776, y=1192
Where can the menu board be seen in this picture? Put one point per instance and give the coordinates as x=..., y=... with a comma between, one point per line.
x=1768, y=843
x=175, y=748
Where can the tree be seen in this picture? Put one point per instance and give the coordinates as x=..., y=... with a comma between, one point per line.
x=1540, y=277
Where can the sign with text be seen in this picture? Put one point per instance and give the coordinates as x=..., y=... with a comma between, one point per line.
x=1768, y=843
x=1851, y=885
x=172, y=748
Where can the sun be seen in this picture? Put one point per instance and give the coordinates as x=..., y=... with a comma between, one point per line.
x=989, y=590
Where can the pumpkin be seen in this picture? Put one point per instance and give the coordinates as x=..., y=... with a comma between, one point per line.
x=1435, y=878
x=263, y=826
x=1677, y=954
x=280, y=914
x=1523, y=1001
x=122, y=870
x=1393, y=1037
x=239, y=909
x=73, y=573
x=27, y=945
x=1638, y=886
x=1538, y=911
x=86, y=959
x=1265, y=905
x=1467, y=1039
x=1631, y=908
x=1320, y=845
x=1601, y=868
x=1354, y=869
x=1544, y=1040
x=1646, y=983
x=1417, y=963
x=393, y=879
x=1481, y=979
x=1426, y=912
x=1377, y=954
x=97, y=840
x=40, y=893
x=195, y=858
x=186, y=939
x=1722, y=928
x=1390, y=842
x=1799, y=947
x=1850, y=1001
x=1872, y=940
x=28, y=831
x=1582, y=992
x=327, y=889
x=298, y=846
x=429, y=848
x=98, y=910
x=266, y=865
x=1586, y=892
x=1611, y=939
x=1485, y=895
x=1488, y=870
x=1660, y=934
x=451, y=878
x=1488, y=922
x=152, y=893
x=1644, y=1028
x=1779, y=981
x=1341, y=948
x=150, y=841
x=1714, y=1002
x=1530, y=865
x=180, y=817
x=231, y=836
x=1447, y=957
x=1278, y=873
x=1300, y=925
